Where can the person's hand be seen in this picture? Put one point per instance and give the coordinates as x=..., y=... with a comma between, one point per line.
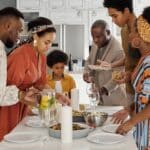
x=87, y=78
x=63, y=99
x=103, y=91
x=29, y=97
x=124, y=77
x=120, y=116
x=125, y=127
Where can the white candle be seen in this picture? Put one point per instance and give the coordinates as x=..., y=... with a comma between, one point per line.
x=66, y=124
x=75, y=99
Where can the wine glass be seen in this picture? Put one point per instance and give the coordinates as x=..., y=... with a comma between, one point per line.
x=93, y=94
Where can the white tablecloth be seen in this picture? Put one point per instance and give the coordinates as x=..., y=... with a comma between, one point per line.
x=55, y=144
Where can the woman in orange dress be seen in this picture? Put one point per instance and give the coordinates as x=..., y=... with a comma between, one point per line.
x=27, y=68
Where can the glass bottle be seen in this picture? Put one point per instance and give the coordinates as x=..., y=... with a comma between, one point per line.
x=70, y=63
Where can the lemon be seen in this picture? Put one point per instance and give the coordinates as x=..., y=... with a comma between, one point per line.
x=45, y=102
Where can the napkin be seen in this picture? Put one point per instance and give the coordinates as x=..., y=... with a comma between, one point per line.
x=75, y=99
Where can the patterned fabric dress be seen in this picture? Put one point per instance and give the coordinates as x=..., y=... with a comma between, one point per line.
x=141, y=83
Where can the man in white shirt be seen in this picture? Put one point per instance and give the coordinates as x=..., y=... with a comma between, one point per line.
x=11, y=21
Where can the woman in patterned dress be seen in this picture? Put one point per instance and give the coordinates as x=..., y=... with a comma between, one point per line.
x=140, y=38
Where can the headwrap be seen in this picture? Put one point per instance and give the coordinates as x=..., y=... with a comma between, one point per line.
x=40, y=28
x=143, y=28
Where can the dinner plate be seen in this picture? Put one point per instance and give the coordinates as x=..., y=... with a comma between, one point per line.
x=110, y=128
x=98, y=67
x=34, y=122
x=22, y=137
x=105, y=138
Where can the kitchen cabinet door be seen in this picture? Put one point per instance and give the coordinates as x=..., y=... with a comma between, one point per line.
x=7, y=3
x=28, y=5
x=95, y=4
x=77, y=4
x=67, y=16
x=57, y=4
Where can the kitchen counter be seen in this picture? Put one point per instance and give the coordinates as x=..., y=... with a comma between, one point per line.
x=55, y=144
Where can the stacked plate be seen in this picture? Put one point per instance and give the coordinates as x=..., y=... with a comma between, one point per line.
x=98, y=67
x=110, y=128
x=34, y=122
x=105, y=138
x=22, y=137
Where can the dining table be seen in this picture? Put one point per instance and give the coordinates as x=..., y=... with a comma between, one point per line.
x=46, y=142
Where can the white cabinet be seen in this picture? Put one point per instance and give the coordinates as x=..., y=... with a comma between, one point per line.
x=28, y=5
x=66, y=11
x=95, y=4
x=57, y=4
x=66, y=4
x=77, y=4
x=67, y=16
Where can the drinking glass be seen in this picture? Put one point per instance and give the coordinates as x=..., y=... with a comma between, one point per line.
x=93, y=94
x=47, y=107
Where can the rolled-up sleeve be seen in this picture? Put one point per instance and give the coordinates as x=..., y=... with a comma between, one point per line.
x=8, y=94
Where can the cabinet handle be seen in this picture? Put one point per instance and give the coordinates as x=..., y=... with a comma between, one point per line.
x=94, y=13
x=79, y=13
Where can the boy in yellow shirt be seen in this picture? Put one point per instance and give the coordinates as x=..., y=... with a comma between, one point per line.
x=57, y=79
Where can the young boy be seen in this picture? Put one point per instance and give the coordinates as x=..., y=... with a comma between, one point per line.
x=58, y=80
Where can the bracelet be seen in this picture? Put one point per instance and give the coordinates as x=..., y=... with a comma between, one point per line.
x=20, y=95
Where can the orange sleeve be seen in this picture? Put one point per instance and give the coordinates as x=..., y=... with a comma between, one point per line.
x=17, y=65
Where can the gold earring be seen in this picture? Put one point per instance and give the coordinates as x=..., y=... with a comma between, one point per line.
x=35, y=43
x=136, y=43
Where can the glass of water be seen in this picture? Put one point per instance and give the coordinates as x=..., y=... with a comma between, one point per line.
x=93, y=94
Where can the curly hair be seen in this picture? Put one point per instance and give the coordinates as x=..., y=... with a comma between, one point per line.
x=146, y=14
x=56, y=56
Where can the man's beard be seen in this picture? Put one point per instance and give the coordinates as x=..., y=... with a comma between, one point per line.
x=9, y=43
